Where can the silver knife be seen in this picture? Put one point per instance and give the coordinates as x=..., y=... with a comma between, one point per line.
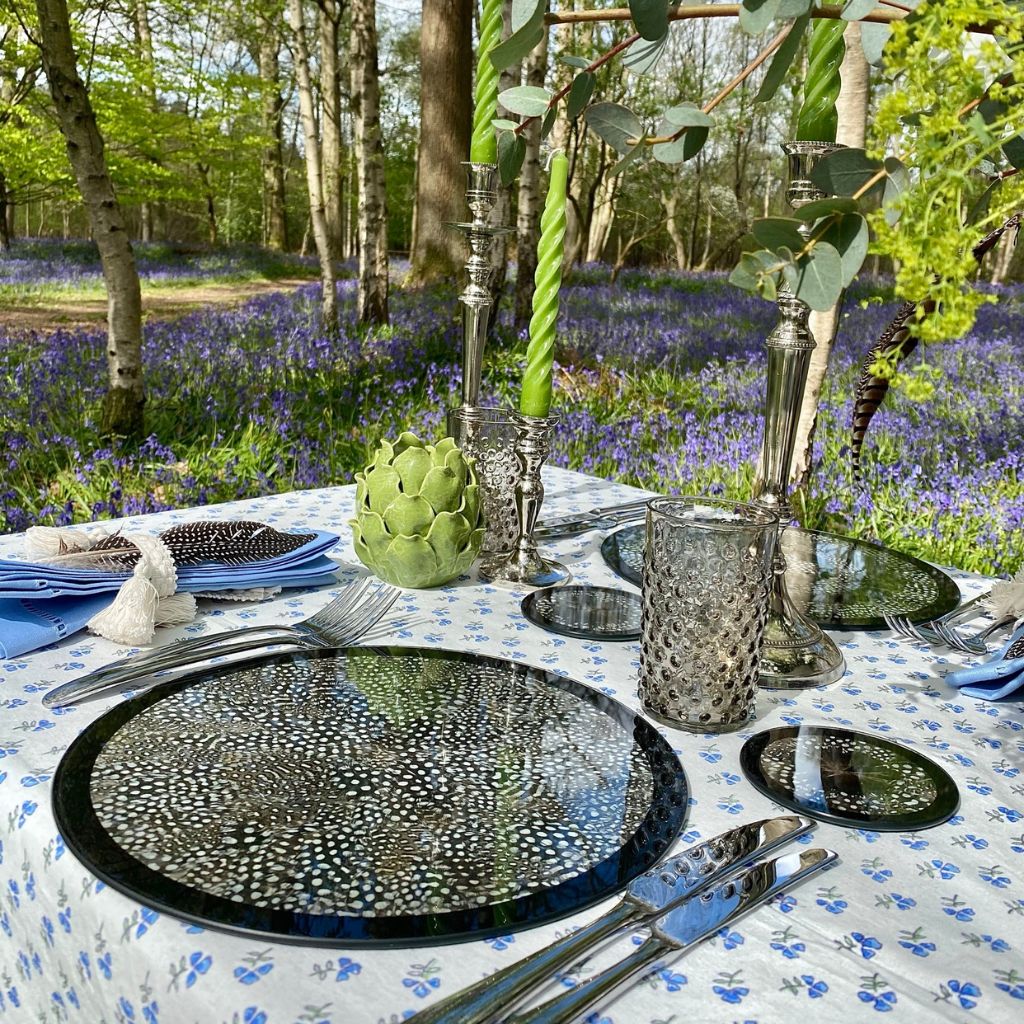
x=681, y=930
x=646, y=897
x=593, y=519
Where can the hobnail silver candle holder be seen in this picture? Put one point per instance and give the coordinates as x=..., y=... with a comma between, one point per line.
x=524, y=565
x=483, y=181
x=797, y=653
x=488, y=436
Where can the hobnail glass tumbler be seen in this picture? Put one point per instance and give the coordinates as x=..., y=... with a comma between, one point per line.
x=706, y=585
x=489, y=437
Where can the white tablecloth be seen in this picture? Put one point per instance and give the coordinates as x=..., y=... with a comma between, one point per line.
x=923, y=926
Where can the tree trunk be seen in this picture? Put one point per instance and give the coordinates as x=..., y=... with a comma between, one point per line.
x=5, y=235
x=313, y=182
x=145, y=39
x=445, y=70
x=275, y=223
x=123, y=404
x=670, y=200
x=600, y=227
x=330, y=12
x=530, y=201
x=852, y=107
x=212, y=231
x=372, y=294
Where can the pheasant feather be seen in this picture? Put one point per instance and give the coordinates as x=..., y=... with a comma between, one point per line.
x=896, y=338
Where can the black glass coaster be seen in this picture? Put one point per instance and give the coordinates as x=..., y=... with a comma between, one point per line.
x=589, y=613
x=849, y=778
x=840, y=582
x=380, y=796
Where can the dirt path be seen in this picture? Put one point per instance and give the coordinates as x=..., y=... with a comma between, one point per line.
x=157, y=304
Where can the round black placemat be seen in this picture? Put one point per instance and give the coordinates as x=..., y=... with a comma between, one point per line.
x=370, y=796
x=849, y=778
x=840, y=582
x=585, y=612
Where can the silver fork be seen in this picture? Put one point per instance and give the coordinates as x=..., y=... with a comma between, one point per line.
x=934, y=634
x=342, y=622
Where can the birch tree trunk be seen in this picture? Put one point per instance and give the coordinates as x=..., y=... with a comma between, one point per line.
x=275, y=223
x=330, y=12
x=314, y=184
x=530, y=199
x=445, y=76
x=123, y=403
x=852, y=107
x=145, y=38
x=372, y=230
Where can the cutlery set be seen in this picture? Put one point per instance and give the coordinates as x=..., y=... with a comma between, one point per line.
x=685, y=900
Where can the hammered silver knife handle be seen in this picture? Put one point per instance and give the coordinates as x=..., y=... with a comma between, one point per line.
x=648, y=895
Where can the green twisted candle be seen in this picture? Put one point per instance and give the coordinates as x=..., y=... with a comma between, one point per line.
x=483, y=148
x=540, y=354
x=818, y=120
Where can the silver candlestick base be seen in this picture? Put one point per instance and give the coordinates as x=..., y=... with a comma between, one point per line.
x=524, y=565
x=476, y=299
x=797, y=653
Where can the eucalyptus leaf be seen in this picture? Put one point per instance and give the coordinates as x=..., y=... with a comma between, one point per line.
x=793, y=8
x=843, y=172
x=511, y=153
x=502, y=124
x=775, y=232
x=757, y=15
x=854, y=10
x=754, y=273
x=825, y=207
x=650, y=17
x=849, y=236
x=615, y=124
x=527, y=100
x=580, y=91
x=817, y=278
x=1013, y=147
x=633, y=154
x=688, y=115
x=693, y=142
x=783, y=60
x=548, y=123
x=581, y=63
x=527, y=32
x=642, y=56
x=873, y=37
x=687, y=146
x=897, y=181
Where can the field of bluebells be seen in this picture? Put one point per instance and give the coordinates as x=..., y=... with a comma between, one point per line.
x=659, y=383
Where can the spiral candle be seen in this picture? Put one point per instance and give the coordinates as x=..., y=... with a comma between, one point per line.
x=818, y=120
x=540, y=354
x=483, y=148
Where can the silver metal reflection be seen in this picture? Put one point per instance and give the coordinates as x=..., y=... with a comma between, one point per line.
x=797, y=653
x=482, y=186
x=524, y=564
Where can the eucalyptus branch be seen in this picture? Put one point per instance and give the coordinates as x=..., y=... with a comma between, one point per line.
x=880, y=175
x=729, y=87
x=589, y=69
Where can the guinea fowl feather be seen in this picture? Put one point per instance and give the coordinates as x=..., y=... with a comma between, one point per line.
x=872, y=389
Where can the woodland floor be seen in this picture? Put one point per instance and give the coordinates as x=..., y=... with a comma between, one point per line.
x=160, y=303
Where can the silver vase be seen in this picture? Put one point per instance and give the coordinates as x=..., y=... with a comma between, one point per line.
x=797, y=653
x=524, y=565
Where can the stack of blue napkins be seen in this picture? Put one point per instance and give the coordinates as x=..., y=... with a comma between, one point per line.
x=999, y=678
x=41, y=604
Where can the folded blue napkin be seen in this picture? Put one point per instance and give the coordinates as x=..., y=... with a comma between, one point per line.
x=997, y=679
x=42, y=604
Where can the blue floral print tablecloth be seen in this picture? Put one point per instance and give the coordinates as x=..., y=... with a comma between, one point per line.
x=917, y=927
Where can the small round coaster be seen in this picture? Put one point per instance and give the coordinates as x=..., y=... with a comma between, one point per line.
x=585, y=612
x=849, y=778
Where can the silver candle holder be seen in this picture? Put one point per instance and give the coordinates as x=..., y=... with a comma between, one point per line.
x=477, y=299
x=797, y=653
x=524, y=565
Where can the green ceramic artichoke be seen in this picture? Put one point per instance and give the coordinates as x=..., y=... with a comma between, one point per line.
x=418, y=517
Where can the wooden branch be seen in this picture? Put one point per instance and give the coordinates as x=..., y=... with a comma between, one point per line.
x=689, y=12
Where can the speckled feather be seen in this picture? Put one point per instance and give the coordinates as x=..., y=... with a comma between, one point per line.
x=872, y=389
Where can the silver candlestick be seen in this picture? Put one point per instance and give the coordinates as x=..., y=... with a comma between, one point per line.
x=797, y=653
x=524, y=564
x=481, y=195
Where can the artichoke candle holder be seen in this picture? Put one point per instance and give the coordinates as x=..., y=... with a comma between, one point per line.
x=476, y=298
x=797, y=653
x=524, y=565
